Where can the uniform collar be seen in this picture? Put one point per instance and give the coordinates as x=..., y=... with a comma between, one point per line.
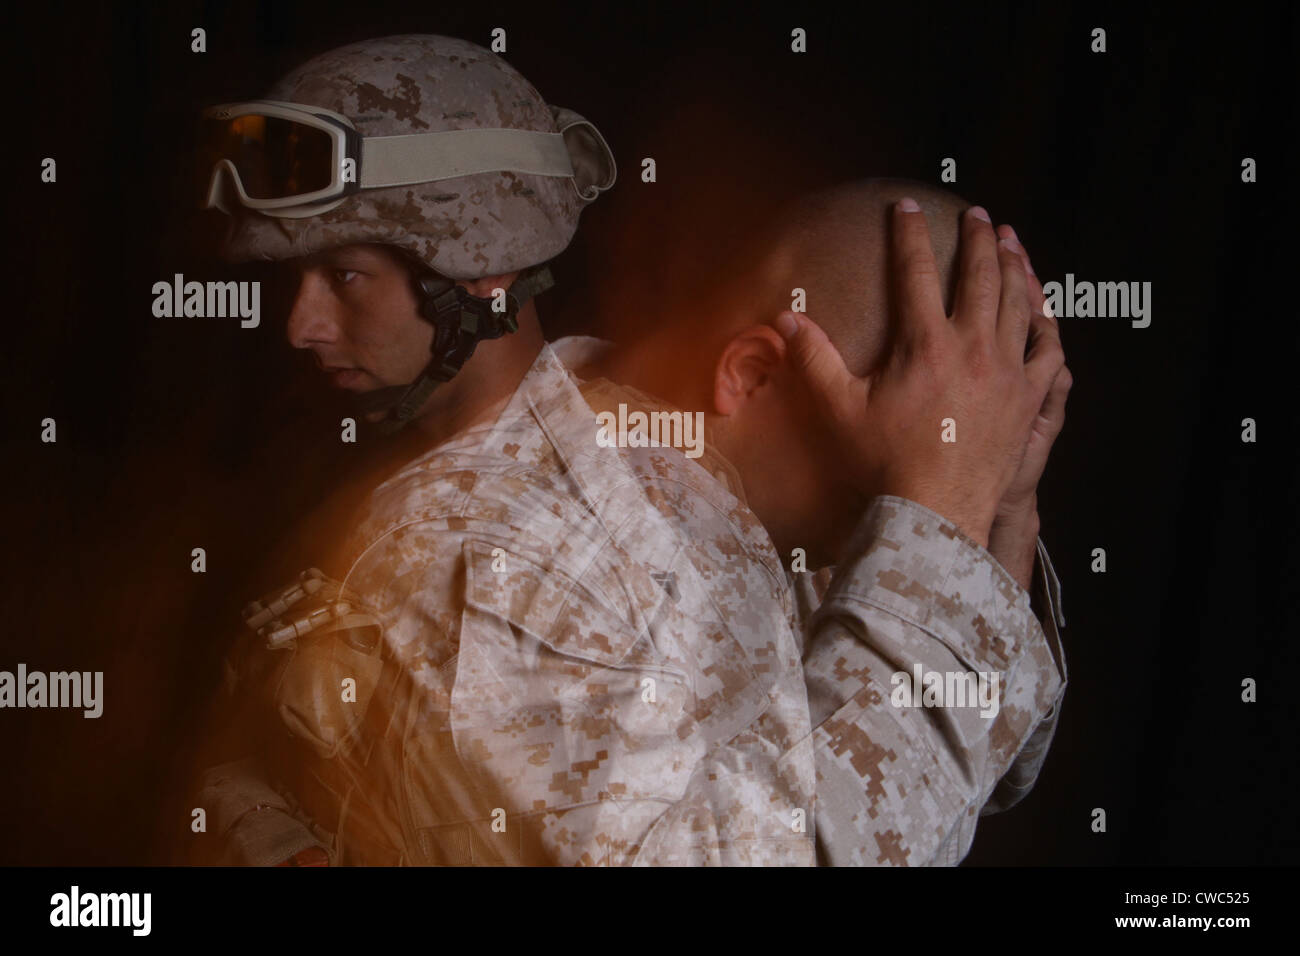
x=612, y=479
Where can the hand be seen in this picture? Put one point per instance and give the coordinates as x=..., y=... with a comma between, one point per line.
x=969, y=367
x=1013, y=538
x=1047, y=424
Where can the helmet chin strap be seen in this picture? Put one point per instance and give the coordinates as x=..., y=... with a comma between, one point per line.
x=460, y=321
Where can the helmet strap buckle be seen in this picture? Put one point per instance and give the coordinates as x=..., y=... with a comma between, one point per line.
x=460, y=321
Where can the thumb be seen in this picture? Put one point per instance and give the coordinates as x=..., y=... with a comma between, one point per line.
x=815, y=358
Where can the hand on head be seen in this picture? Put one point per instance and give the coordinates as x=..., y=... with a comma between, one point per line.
x=914, y=333
x=946, y=419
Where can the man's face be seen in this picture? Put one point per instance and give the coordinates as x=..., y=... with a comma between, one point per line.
x=355, y=309
x=804, y=501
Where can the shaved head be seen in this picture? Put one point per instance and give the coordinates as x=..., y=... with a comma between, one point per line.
x=714, y=346
x=834, y=245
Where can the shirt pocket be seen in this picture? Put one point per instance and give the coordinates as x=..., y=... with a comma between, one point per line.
x=562, y=700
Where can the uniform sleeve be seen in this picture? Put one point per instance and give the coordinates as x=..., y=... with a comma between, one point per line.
x=928, y=677
x=252, y=808
x=256, y=823
x=1045, y=599
x=252, y=820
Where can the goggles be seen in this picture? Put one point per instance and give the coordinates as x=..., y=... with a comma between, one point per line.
x=292, y=161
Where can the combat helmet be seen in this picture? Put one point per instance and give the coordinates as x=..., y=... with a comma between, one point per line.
x=427, y=143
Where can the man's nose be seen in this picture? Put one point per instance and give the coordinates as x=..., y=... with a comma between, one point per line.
x=312, y=319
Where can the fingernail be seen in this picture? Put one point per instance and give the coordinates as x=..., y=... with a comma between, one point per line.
x=980, y=213
x=908, y=204
x=1013, y=245
x=1047, y=309
x=787, y=325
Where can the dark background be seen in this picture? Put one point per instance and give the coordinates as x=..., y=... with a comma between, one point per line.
x=177, y=433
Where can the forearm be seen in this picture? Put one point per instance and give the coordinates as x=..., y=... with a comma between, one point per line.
x=897, y=783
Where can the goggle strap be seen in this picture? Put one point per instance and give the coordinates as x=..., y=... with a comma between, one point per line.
x=432, y=157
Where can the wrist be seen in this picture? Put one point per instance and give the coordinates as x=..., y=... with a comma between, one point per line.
x=974, y=521
x=1013, y=541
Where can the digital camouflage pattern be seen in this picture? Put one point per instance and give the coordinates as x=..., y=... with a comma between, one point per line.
x=595, y=656
x=905, y=786
x=463, y=228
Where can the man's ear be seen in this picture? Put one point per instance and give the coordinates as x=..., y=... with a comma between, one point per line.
x=745, y=367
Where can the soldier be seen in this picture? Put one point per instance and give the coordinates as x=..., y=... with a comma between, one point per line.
x=417, y=185
x=545, y=649
x=417, y=153
x=787, y=409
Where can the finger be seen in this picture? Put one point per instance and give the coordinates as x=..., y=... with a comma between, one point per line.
x=916, y=277
x=1036, y=297
x=1029, y=266
x=1052, y=415
x=1039, y=312
x=1006, y=231
x=1053, y=406
x=1046, y=356
x=816, y=359
x=1038, y=301
x=1013, y=304
x=1042, y=331
x=979, y=281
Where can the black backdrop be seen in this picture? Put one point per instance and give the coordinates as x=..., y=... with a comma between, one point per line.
x=177, y=433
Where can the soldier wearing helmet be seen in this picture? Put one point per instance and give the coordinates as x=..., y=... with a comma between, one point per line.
x=429, y=148
x=524, y=662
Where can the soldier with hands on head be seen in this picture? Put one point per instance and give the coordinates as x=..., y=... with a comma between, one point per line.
x=837, y=430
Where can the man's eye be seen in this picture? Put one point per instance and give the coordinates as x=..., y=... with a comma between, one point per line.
x=344, y=275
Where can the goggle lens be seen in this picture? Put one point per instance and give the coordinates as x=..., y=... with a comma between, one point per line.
x=274, y=157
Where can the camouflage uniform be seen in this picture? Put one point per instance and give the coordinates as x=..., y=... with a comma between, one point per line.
x=593, y=656
x=905, y=786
